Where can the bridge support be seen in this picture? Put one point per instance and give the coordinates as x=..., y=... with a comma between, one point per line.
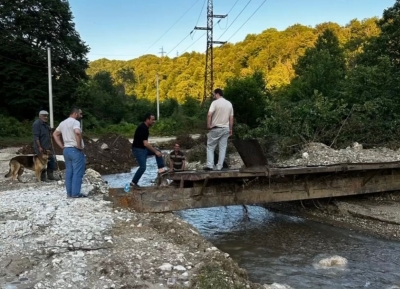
x=257, y=190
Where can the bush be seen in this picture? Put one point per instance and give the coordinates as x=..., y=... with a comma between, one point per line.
x=11, y=127
x=125, y=129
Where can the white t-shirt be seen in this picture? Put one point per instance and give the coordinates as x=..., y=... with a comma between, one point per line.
x=222, y=110
x=67, y=129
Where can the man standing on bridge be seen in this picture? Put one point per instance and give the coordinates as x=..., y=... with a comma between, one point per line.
x=141, y=148
x=219, y=124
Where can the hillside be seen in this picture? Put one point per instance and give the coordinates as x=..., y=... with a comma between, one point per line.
x=273, y=52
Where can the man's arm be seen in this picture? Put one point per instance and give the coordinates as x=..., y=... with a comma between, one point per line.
x=149, y=147
x=209, y=118
x=58, y=139
x=78, y=137
x=183, y=164
x=230, y=125
x=36, y=135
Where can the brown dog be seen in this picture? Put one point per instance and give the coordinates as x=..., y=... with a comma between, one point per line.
x=37, y=163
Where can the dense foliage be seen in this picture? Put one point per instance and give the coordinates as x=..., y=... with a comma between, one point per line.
x=27, y=28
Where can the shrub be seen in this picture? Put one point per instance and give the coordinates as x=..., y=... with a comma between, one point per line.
x=11, y=127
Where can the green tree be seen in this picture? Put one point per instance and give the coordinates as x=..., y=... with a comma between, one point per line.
x=248, y=96
x=322, y=68
x=27, y=28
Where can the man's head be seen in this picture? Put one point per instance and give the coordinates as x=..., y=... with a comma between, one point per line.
x=76, y=113
x=149, y=119
x=218, y=93
x=176, y=147
x=43, y=115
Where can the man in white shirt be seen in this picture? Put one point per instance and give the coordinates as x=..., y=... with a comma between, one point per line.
x=219, y=124
x=68, y=136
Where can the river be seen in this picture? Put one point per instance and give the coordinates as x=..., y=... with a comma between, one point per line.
x=287, y=250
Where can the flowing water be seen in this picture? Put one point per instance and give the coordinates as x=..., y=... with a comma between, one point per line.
x=287, y=250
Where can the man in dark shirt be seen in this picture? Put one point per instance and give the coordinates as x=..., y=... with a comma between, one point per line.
x=177, y=159
x=42, y=142
x=141, y=148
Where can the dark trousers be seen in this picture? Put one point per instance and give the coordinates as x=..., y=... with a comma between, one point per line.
x=141, y=157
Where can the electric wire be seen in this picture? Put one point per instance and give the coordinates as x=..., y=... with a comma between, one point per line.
x=171, y=27
x=247, y=19
x=234, y=19
x=179, y=43
x=190, y=34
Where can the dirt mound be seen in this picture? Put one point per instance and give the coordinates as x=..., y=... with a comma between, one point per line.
x=110, y=154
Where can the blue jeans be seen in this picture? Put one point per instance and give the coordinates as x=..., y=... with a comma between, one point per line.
x=141, y=157
x=75, y=162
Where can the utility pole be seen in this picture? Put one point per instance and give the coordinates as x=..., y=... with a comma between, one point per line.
x=158, y=93
x=50, y=87
x=209, y=69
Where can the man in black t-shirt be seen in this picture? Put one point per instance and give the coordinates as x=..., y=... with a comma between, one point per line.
x=141, y=148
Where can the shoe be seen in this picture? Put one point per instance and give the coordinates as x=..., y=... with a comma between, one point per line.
x=162, y=171
x=135, y=186
x=208, y=169
x=78, y=196
x=51, y=176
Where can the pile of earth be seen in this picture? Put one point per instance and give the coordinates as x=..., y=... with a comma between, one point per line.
x=110, y=154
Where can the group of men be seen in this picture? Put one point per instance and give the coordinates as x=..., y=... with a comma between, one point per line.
x=68, y=136
x=219, y=124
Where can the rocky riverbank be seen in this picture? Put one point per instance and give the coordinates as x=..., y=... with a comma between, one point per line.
x=50, y=241
x=374, y=214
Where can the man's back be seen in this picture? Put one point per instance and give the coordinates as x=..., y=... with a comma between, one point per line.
x=222, y=109
x=67, y=129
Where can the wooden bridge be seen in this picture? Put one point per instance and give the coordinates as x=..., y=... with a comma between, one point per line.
x=257, y=185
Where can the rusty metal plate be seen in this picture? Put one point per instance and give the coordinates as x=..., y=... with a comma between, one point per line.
x=251, y=152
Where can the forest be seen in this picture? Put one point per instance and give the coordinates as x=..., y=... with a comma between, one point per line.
x=329, y=83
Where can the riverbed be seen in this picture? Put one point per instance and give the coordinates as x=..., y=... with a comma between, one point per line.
x=276, y=248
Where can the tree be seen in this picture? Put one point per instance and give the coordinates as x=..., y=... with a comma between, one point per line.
x=322, y=68
x=248, y=96
x=387, y=43
x=27, y=28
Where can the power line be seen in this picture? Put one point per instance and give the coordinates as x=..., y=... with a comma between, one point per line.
x=179, y=43
x=197, y=22
x=193, y=43
x=194, y=30
x=247, y=19
x=171, y=26
x=234, y=19
x=202, y=7
x=232, y=7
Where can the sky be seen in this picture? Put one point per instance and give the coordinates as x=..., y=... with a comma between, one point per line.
x=127, y=29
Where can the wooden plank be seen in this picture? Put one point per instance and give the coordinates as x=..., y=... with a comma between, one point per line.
x=323, y=169
x=164, y=199
x=281, y=171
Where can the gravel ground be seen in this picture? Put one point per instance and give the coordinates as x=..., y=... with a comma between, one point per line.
x=50, y=241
